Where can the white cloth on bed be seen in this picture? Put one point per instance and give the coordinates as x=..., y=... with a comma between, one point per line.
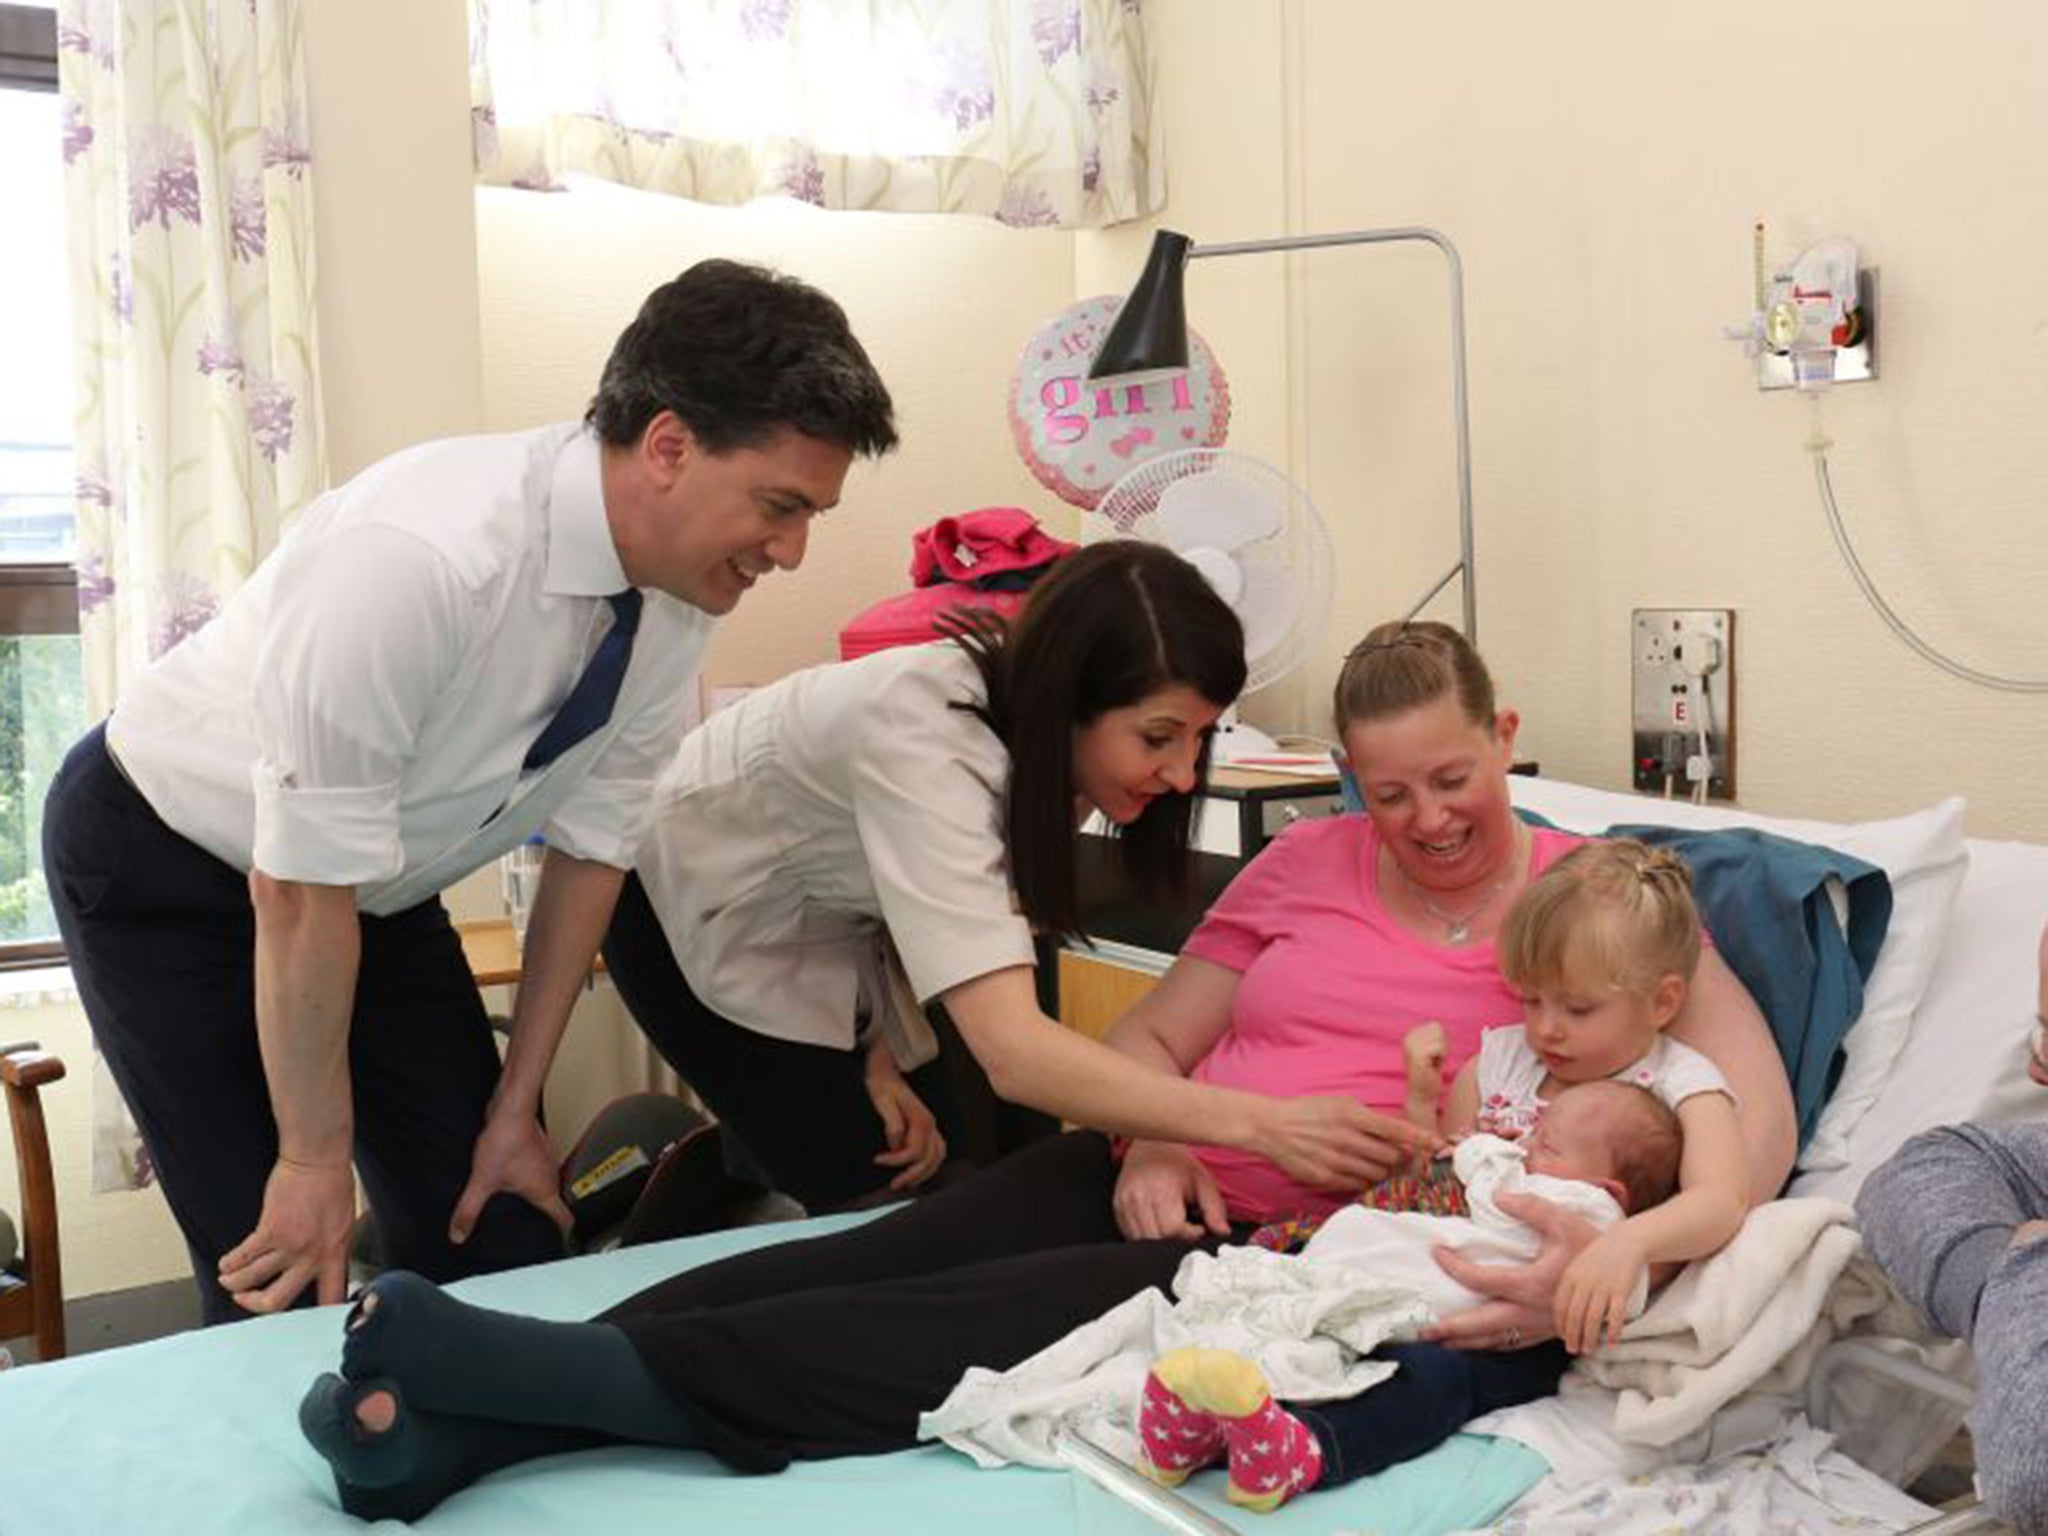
x=1719, y=1361
x=1308, y=1319
x=1797, y=1484
x=1307, y=1322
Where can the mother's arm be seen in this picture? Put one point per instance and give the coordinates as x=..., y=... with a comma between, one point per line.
x=1174, y=1025
x=1722, y=1022
x=1137, y=1085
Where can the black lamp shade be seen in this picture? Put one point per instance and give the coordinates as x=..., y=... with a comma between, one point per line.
x=1150, y=332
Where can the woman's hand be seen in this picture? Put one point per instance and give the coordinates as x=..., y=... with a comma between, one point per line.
x=916, y=1149
x=1159, y=1182
x=1593, y=1296
x=1337, y=1143
x=1522, y=1310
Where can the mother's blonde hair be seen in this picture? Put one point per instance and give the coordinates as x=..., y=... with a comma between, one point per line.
x=1401, y=666
x=1614, y=909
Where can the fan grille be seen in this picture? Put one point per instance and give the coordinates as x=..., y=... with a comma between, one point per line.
x=1268, y=525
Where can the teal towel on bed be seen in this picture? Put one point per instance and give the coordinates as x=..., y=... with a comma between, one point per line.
x=1765, y=900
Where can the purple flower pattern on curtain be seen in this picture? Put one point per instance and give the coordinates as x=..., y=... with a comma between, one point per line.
x=190, y=203
x=1033, y=112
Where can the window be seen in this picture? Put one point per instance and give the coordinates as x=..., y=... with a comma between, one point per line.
x=42, y=689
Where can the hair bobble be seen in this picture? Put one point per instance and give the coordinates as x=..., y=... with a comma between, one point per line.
x=1396, y=643
x=1660, y=866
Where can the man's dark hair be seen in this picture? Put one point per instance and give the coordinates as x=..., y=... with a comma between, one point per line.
x=739, y=352
x=1106, y=627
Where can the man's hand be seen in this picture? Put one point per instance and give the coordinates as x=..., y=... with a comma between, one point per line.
x=1593, y=1297
x=1521, y=1311
x=1337, y=1143
x=513, y=1155
x=301, y=1237
x=916, y=1148
x=1159, y=1182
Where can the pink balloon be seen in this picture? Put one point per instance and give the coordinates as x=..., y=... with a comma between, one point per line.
x=1078, y=439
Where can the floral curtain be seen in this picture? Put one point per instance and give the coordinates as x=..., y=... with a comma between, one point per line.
x=197, y=435
x=1034, y=112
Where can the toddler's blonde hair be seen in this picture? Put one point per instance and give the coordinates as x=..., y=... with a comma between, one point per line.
x=1612, y=912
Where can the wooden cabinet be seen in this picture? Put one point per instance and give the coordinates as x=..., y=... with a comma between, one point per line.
x=1095, y=989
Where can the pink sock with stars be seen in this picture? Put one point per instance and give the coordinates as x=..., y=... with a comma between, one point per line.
x=1208, y=1399
x=1174, y=1439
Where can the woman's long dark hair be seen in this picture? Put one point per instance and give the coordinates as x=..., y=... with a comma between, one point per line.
x=1107, y=627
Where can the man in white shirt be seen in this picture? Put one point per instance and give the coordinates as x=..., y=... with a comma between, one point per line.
x=472, y=642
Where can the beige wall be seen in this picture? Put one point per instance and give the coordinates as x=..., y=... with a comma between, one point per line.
x=1600, y=170
x=388, y=87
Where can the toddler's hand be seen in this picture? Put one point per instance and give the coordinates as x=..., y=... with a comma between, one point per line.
x=1423, y=1050
x=1594, y=1293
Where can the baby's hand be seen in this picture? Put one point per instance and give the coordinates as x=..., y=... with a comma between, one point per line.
x=1593, y=1294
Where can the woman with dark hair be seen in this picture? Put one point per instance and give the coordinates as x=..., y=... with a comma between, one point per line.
x=857, y=841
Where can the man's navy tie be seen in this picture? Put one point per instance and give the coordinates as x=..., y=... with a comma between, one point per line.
x=590, y=702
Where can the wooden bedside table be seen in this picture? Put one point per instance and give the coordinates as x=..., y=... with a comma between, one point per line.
x=493, y=953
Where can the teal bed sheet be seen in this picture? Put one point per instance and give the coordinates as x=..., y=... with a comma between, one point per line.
x=198, y=1433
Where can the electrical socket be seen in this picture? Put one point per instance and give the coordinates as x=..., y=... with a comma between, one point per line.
x=1668, y=647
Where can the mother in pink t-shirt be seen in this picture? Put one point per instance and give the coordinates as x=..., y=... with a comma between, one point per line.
x=1337, y=940
x=1346, y=933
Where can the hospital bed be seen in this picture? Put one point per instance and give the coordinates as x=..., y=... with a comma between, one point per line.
x=197, y=1432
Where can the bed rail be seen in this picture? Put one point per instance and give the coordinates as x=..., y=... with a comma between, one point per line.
x=1141, y=1493
x=1859, y=1355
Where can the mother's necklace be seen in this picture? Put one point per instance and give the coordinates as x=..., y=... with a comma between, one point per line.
x=1458, y=926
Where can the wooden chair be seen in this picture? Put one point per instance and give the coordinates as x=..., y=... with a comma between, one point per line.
x=37, y=1304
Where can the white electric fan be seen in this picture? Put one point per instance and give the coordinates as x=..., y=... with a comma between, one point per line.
x=1258, y=539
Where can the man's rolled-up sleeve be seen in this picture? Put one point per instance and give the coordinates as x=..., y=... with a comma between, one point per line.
x=366, y=629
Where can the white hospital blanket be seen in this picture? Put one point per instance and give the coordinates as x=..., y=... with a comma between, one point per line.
x=1308, y=1319
x=1718, y=1363
x=1796, y=1485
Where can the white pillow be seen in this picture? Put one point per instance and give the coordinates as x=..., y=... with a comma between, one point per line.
x=1966, y=1056
x=1924, y=857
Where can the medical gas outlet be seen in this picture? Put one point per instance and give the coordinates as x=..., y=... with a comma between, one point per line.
x=1813, y=324
x=1682, y=678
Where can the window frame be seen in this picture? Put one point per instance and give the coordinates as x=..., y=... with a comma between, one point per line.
x=36, y=597
x=28, y=48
